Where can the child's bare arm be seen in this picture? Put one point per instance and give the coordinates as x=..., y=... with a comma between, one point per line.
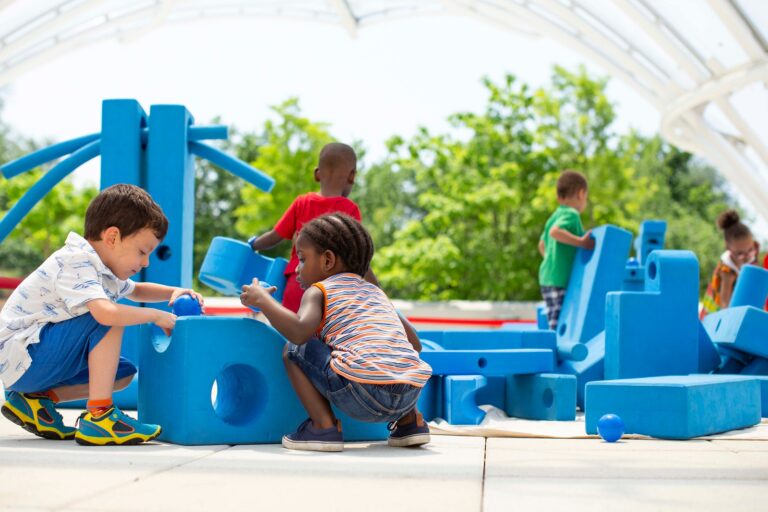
x=297, y=328
x=541, y=247
x=108, y=313
x=154, y=292
x=410, y=332
x=566, y=237
x=266, y=241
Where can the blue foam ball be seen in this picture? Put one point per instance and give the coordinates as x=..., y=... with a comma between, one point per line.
x=610, y=427
x=186, y=305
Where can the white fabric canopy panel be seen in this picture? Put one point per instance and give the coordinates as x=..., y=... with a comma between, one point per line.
x=702, y=63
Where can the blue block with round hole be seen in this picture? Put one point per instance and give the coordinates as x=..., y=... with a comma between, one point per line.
x=678, y=406
x=460, y=401
x=743, y=328
x=594, y=274
x=229, y=264
x=488, y=362
x=655, y=332
x=493, y=339
x=253, y=401
x=543, y=396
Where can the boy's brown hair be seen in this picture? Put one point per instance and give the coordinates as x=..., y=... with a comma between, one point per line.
x=128, y=208
x=570, y=183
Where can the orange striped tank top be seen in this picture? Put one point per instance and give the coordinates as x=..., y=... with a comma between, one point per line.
x=367, y=339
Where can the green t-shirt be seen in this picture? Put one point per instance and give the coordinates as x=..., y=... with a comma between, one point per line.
x=555, y=270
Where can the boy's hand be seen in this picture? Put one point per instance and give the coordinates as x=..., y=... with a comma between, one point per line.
x=166, y=321
x=256, y=294
x=178, y=292
x=587, y=242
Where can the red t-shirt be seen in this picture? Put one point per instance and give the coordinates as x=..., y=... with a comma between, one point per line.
x=305, y=208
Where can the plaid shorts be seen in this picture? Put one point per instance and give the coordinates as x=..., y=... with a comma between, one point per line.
x=553, y=298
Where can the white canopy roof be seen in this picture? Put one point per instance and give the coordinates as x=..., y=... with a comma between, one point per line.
x=702, y=63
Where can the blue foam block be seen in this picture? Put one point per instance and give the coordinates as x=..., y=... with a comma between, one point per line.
x=460, y=405
x=430, y=402
x=488, y=362
x=543, y=396
x=676, y=407
x=743, y=328
x=229, y=264
x=491, y=339
x=655, y=332
x=758, y=366
x=709, y=357
x=634, y=277
x=254, y=401
x=751, y=287
x=591, y=368
x=650, y=238
x=541, y=317
x=594, y=274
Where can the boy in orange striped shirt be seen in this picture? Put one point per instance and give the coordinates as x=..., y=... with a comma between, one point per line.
x=348, y=345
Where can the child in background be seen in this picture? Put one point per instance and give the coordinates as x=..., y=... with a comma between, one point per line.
x=562, y=234
x=740, y=249
x=347, y=345
x=61, y=329
x=335, y=171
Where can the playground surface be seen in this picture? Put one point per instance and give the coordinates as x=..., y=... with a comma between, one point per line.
x=453, y=473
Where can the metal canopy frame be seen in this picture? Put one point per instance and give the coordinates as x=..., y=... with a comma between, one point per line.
x=638, y=41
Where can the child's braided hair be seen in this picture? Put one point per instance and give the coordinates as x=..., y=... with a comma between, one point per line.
x=343, y=236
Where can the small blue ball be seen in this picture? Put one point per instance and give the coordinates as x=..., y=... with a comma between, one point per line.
x=610, y=427
x=186, y=305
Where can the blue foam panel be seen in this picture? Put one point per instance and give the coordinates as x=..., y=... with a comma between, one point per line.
x=488, y=362
x=594, y=274
x=543, y=396
x=655, y=332
x=591, y=368
x=743, y=328
x=460, y=406
x=254, y=401
x=676, y=407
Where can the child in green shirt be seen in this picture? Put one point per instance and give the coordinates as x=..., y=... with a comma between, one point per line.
x=563, y=233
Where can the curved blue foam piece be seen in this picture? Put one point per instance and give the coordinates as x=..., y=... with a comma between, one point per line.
x=45, y=155
x=229, y=264
x=460, y=405
x=234, y=165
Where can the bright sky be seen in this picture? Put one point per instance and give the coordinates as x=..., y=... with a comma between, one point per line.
x=392, y=78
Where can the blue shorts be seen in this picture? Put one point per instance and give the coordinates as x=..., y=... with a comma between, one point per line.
x=61, y=356
x=372, y=403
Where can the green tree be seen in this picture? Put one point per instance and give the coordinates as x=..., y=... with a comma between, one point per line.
x=461, y=213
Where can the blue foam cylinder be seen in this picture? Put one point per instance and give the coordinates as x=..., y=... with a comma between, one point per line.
x=751, y=287
x=543, y=396
x=676, y=407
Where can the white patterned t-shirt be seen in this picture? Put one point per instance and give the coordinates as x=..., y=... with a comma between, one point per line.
x=57, y=291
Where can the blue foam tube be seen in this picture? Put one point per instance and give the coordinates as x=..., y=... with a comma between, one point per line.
x=45, y=155
x=234, y=165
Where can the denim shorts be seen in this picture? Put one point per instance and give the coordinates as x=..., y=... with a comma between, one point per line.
x=371, y=403
x=60, y=358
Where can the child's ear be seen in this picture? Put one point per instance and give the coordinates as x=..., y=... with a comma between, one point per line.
x=317, y=174
x=111, y=235
x=351, y=177
x=328, y=260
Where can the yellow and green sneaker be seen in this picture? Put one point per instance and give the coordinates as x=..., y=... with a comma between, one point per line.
x=36, y=413
x=113, y=427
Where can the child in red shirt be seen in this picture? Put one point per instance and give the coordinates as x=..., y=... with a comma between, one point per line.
x=335, y=172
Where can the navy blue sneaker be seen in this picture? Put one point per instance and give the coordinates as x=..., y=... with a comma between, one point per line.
x=415, y=433
x=309, y=438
